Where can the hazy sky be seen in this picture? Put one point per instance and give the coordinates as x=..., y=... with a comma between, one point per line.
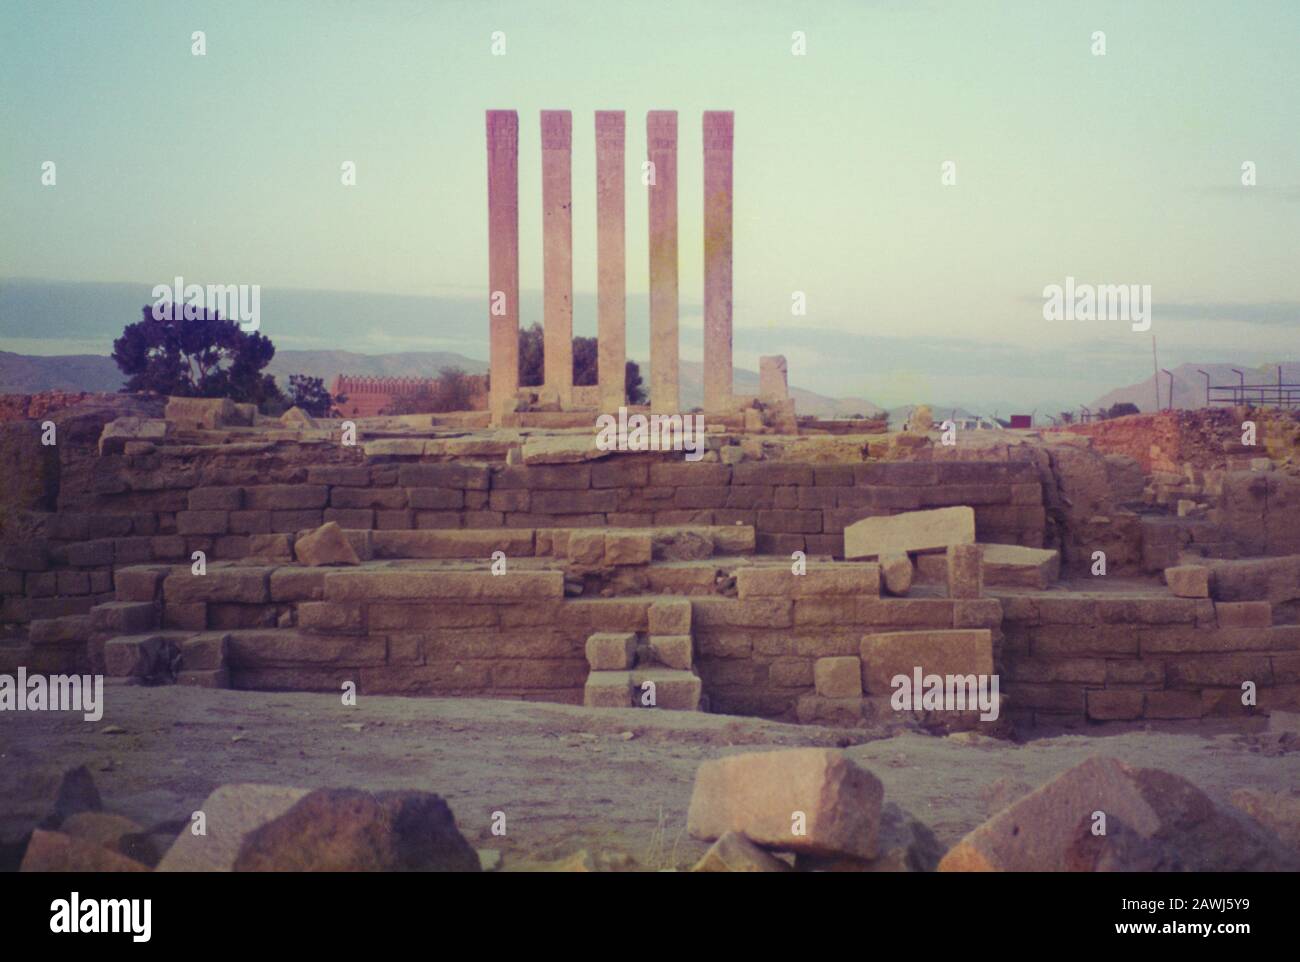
x=1123, y=168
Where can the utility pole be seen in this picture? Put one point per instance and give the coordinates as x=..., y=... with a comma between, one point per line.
x=1155, y=377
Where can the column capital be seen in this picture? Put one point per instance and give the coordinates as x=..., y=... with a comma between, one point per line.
x=719, y=128
x=502, y=128
x=661, y=129
x=611, y=126
x=557, y=129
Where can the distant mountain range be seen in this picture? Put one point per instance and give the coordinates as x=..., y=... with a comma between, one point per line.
x=30, y=374
x=1189, y=384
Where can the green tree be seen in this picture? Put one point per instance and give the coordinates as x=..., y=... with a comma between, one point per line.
x=203, y=356
x=586, y=354
x=309, y=393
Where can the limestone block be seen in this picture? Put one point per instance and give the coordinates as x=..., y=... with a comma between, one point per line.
x=838, y=677
x=611, y=651
x=832, y=803
x=674, y=651
x=965, y=571
x=910, y=531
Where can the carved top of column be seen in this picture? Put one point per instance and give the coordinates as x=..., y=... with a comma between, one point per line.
x=610, y=127
x=502, y=129
x=661, y=129
x=719, y=126
x=557, y=129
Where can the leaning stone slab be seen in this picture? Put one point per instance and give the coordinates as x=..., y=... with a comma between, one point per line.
x=910, y=531
x=230, y=814
x=1154, y=820
x=735, y=853
x=1013, y=566
x=810, y=800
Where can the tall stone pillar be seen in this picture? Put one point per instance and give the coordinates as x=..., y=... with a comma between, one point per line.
x=661, y=141
x=718, y=374
x=611, y=272
x=557, y=256
x=503, y=259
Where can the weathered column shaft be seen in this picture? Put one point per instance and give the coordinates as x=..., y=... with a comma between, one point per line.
x=661, y=139
x=611, y=272
x=718, y=374
x=503, y=258
x=557, y=255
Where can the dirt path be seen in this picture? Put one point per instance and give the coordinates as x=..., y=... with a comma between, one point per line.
x=567, y=778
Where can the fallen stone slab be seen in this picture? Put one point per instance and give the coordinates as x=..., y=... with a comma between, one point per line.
x=1014, y=566
x=327, y=545
x=1153, y=820
x=56, y=852
x=812, y=800
x=349, y=830
x=229, y=814
x=910, y=531
x=735, y=853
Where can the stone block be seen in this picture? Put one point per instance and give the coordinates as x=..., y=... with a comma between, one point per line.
x=1244, y=614
x=124, y=617
x=139, y=583
x=1188, y=581
x=672, y=651
x=965, y=571
x=910, y=531
x=733, y=852
x=628, y=548
x=608, y=689
x=959, y=651
x=287, y=497
x=243, y=585
x=202, y=522
x=832, y=803
x=231, y=813
x=673, y=689
x=611, y=651
x=1114, y=704
x=671, y=617
x=1019, y=567
x=852, y=580
x=402, y=584
x=897, y=572
x=839, y=677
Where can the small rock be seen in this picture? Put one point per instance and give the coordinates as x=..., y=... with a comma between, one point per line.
x=733, y=852
x=327, y=545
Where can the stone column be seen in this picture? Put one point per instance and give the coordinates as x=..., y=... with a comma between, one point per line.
x=611, y=273
x=661, y=142
x=557, y=256
x=718, y=126
x=773, y=384
x=503, y=259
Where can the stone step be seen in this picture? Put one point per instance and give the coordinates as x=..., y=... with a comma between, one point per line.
x=198, y=659
x=653, y=687
x=594, y=546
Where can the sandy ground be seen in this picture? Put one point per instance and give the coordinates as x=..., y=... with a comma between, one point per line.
x=611, y=781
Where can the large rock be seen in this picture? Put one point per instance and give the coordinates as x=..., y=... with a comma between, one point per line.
x=327, y=545
x=910, y=531
x=735, y=853
x=1277, y=811
x=906, y=845
x=1154, y=820
x=763, y=794
x=57, y=852
x=1014, y=566
x=347, y=830
x=74, y=793
x=230, y=813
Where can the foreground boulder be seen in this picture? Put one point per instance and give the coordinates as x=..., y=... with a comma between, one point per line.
x=327, y=545
x=735, y=853
x=810, y=800
x=1278, y=811
x=229, y=814
x=906, y=845
x=910, y=531
x=348, y=830
x=57, y=852
x=1154, y=820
